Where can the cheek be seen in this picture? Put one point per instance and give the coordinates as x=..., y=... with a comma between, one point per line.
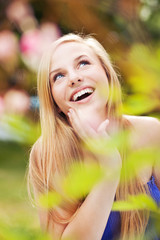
x=103, y=85
x=56, y=95
x=57, y=92
x=59, y=97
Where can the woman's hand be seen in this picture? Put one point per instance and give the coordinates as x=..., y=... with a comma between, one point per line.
x=83, y=129
x=89, y=135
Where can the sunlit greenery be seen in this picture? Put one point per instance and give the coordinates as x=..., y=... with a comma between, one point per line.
x=129, y=30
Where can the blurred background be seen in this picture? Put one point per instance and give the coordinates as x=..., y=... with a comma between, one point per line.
x=129, y=31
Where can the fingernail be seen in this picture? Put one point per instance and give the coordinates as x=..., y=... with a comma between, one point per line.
x=71, y=110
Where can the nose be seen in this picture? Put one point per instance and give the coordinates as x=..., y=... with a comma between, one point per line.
x=74, y=80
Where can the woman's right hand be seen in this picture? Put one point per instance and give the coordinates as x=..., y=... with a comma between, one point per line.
x=89, y=135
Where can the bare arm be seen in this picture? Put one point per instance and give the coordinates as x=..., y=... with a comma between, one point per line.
x=148, y=129
x=147, y=135
x=91, y=219
x=93, y=215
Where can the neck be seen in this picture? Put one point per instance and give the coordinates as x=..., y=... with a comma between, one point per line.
x=95, y=120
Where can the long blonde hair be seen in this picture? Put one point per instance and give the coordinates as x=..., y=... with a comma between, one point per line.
x=58, y=147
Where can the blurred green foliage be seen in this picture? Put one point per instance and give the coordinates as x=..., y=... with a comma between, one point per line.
x=21, y=129
x=139, y=202
x=17, y=219
x=81, y=179
x=129, y=30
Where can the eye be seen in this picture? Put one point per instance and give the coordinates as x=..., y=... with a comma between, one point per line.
x=58, y=76
x=83, y=63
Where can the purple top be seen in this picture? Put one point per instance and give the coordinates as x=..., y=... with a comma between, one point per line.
x=113, y=227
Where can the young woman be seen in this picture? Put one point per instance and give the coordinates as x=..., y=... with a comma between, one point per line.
x=80, y=98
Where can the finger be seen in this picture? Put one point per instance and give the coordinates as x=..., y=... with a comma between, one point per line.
x=102, y=129
x=89, y=130
x=82, y=128
x=76, y=123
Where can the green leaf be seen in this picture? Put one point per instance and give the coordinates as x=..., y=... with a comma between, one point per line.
x=144, y=201
x=123, y=206
x=105, y=146
x=138, y=202
x=81, y=178
x=138, y=160
x=139, y=104
x=20, y=128
x=49, y=200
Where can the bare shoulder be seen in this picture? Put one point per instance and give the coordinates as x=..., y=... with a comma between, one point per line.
x=146, y=133
x=146, y=129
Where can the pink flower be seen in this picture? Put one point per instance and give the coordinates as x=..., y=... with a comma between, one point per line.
x=8, y=47
x=31, y=42
x=16, y=101
x=34, y=42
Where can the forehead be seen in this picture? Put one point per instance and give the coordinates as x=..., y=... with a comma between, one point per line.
x=71, y=50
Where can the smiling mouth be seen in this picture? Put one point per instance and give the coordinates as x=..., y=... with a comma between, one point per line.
x=82, y=94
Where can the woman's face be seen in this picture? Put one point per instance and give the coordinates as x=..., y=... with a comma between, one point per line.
x=78, y=79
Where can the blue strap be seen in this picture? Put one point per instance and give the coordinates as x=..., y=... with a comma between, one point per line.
x=113, y=225
x=154, y=191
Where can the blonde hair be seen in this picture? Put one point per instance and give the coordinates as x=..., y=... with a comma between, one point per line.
x=58, y=147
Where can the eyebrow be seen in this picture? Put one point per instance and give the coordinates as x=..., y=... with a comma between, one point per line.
x=59, y=69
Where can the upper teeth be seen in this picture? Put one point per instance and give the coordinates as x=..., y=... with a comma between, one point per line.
x=80, y=93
